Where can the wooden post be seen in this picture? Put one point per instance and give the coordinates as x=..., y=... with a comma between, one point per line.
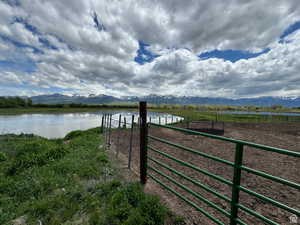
x=159, y=120
x=120, y=118
x=130, y=143
x=143, y=142
x=124, y=122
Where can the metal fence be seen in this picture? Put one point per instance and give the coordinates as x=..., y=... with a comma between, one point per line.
x=234, y=184
x=122, y=133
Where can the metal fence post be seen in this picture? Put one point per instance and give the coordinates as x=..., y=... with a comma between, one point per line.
x=236, y=183
x=130, y=143
x=109, y=131
x=104, y=130
x=102, y=123
x=118, y=136
x=143, y=142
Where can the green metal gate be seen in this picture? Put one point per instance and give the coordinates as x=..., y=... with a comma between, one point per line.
x=237, y=166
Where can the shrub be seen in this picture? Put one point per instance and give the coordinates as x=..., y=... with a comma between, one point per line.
x=36, y=153
x=73, y=134
x=3, y=157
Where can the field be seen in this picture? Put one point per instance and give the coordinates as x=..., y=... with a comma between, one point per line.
x=186, y=110
x=74, y=180
x=277, y=134
x=70, y=181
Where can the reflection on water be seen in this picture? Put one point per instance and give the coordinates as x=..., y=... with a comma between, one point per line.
x=58, y=125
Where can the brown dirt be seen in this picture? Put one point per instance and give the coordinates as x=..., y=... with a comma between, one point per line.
x=281, y=135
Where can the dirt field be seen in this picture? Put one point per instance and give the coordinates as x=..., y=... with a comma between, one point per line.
x=281, y=135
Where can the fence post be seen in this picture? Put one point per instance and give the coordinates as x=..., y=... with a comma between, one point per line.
x=102, y=121
x=103, y=131
x=143, y=142
x=236, y=183
x=159, y=120
x=124, y=125
x=130, y=143
x=109, y=131
x=119, y=121
x=106, y=129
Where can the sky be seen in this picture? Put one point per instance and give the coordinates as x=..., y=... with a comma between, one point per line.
x=217, y=48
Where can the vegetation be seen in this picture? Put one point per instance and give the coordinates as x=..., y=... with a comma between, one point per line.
x=190, y=115
x=14, y=102
x=69, y=181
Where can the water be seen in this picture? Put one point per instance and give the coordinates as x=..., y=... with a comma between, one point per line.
x=261, y=113
x=58, y=125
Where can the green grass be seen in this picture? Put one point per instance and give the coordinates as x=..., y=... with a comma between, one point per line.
x=16, y=111
x=70, y=181
x=190, y=115
x=69, y=108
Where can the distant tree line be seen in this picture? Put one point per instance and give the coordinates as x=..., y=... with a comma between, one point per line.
x=14, y=102
x=80, y=105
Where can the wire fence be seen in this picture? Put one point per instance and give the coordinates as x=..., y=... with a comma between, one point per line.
x=122, y=134
x=181, y=168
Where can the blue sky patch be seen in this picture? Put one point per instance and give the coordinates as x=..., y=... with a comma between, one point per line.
x=98, y=24
x=290, y=29
x=27, y=25
x=26, y=66
x=231, y=55
x=144, y=55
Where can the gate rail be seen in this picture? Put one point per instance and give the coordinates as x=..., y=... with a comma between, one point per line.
x=235, y=185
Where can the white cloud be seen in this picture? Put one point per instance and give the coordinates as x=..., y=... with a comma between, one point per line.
x=92, y=60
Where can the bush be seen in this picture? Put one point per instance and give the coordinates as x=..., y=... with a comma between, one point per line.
x=36, y=153
x=128, y=204
x=3, y=157
x=74, y=134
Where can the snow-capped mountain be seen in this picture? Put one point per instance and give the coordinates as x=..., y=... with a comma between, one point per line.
x=169, y=99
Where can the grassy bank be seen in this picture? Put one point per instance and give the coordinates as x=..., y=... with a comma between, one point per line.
x=70, y=181
x=17, y=111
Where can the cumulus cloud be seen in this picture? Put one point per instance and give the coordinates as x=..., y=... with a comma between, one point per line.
x=89, y=46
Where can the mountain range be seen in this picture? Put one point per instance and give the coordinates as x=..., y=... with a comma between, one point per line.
x=169, y=99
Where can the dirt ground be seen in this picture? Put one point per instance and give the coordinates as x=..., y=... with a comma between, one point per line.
x=281, y=135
